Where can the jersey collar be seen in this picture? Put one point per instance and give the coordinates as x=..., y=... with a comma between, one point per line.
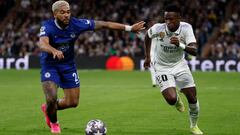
x=176, y=33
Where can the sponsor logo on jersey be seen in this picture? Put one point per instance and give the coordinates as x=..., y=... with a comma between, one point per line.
x=64, y=48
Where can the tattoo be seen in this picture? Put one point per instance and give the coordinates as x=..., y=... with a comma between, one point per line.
x=50, y=89
x=49, y=85
x=99, y=25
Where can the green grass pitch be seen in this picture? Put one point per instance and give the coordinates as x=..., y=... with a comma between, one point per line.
x=125, y=101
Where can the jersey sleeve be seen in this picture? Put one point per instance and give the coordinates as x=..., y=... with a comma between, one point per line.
x=44, y=30
x=151, y=32
x=85, y=24
x=189, y=38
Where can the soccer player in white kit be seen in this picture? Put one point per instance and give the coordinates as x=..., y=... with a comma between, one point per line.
x=172, y=39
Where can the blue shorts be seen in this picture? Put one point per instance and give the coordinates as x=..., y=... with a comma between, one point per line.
x=64, y=75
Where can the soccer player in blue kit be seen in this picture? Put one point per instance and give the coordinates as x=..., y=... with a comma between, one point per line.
x=57, y=37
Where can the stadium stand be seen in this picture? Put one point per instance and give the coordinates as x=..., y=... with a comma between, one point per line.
x=225, y=42
x=5, y=6
x=215, y=24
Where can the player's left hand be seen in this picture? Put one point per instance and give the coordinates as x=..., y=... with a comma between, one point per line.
x=147, y=63
x=137, y=27
x=174, y=40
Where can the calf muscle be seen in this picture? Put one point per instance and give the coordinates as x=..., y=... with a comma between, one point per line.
x=50, y=91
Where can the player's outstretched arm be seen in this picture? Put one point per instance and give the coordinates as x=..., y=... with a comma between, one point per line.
x=45, y=46
x=137, y=27
x=147, y=47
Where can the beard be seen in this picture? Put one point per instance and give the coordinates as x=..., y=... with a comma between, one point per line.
x=64, y=23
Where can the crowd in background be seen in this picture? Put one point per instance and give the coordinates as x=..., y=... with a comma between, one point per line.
x=227, y=45
x=5, y=5
x=19, y=36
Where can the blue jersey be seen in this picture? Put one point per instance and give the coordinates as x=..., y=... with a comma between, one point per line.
x=63, y=39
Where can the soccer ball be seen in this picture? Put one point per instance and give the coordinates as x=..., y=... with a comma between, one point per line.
x=95, y=127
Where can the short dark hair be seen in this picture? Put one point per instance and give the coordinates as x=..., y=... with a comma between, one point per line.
x=172, y=8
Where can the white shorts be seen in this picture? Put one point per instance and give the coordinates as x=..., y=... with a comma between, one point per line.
x=177, y=76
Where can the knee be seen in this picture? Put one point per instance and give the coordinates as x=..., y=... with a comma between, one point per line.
x=191, y=94
x=171, y=100
x=192, y=99
x=73, y=103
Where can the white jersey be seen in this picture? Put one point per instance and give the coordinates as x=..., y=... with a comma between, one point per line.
x=166, y=54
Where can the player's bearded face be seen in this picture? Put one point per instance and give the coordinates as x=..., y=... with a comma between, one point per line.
x=172, y=20
x=63, y=14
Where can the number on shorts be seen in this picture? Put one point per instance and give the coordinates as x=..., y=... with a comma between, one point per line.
x=75, y=75
x=164, y=77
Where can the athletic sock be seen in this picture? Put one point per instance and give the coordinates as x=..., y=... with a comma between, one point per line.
x=193, y=114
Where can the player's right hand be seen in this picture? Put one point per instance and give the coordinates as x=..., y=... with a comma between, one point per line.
x=58, y=54
x=147, y=63
x=174, y=40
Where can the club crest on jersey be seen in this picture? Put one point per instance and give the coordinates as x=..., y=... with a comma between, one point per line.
x=47, y=75
x=161, y=35
x=73, y=35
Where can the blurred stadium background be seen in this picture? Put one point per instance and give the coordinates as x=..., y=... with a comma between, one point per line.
x=216, y=25
x=134, y=108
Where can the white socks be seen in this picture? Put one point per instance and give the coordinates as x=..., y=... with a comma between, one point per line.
x=193, y=114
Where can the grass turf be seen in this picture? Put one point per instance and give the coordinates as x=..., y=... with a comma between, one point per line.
x=125, y=101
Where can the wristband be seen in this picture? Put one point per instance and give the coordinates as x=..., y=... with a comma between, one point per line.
x=128, y=28
x=183, y=46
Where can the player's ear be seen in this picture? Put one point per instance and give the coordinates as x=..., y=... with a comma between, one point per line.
x=55, y=13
